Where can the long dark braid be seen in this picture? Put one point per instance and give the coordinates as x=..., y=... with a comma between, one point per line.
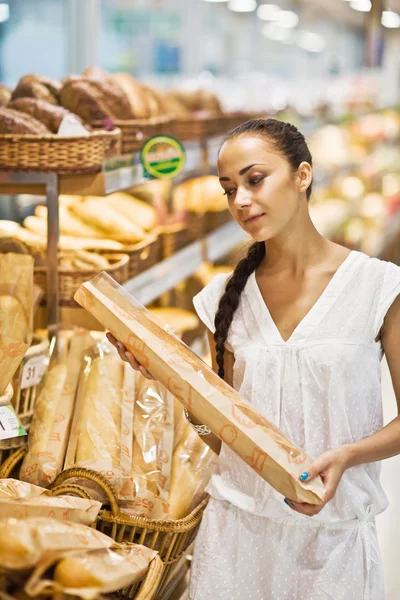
x=290, y=142
x=229, y=301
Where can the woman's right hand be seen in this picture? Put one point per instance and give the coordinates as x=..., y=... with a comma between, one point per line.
x=126, y=356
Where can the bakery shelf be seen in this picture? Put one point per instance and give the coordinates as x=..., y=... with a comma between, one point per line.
x=161, y=278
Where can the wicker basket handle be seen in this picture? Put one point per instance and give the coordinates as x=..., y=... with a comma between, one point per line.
x=95, y=477
x=12, y=461
x=70, y=489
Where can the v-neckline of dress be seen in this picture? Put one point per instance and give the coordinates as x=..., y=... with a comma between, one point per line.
x=316, y=312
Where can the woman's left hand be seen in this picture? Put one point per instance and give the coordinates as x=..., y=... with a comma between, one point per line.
x=330, y=466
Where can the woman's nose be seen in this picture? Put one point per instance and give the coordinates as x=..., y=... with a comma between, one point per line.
x=242, y=198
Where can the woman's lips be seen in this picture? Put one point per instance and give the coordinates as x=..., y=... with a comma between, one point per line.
x=254, y=219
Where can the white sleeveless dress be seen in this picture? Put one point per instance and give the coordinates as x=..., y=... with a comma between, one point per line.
x=322, y=388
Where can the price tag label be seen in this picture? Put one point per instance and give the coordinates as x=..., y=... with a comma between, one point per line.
x=10, y=425
x=33, y=371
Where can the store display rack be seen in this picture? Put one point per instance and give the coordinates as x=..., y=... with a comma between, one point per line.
x=199, y=158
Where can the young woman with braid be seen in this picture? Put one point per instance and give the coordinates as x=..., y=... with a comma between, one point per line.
x=299, y=329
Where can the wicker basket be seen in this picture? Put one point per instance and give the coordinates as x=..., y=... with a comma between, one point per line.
x=171, y=539
x=70, y=281
x=193, y=129
x=58, y=154
x=142, y=255
x=24, y=399
x=136, y=131
x=175, y=237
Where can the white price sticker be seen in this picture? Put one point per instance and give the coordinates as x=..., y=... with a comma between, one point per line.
x=10, y=425
x=33, y=371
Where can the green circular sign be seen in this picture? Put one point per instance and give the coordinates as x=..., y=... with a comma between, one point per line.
x=163, y=157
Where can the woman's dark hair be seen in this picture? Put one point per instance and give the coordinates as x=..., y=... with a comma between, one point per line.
x=291, y=143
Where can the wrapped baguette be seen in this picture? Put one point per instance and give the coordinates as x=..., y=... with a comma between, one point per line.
x=87, y=575
x=26, y=542
x=21, y=500
x=16, y=313
x=51, y=423
x=251, y=435
x=101, y=433
x=177, y=320
x=192, y=466
x=108, y=221
x=151, y=452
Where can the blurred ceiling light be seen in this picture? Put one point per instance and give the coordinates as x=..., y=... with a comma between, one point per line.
x=361, y=5
x=4, y=12
x=242, y=5
x=390, y=19
x=310, y=41
x=216, y=1
x=275, y=32
x=268, y=12
x=287, y=18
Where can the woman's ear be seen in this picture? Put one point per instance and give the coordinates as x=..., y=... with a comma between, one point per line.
x=305, y=175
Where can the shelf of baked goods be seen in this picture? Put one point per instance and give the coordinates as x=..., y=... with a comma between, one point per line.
x=118, y=173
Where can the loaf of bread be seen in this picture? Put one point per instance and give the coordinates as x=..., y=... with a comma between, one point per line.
x=38, y=86
x=70, y=224
x=68, y=242
x=137, y=98
x=50, y=115
x=5, y=95
x=13, y=320
x=108, y=221
x=100, y=427
x=136, y=211
x=104, y=571
x=192, y=466
x=50, y=427
x=175, y=107
x=13, y=121
x=95, y=100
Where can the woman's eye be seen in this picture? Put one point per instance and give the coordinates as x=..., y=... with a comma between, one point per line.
x=256, y=180
x=229, y=192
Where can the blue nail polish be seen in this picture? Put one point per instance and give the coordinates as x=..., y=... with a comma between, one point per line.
x=304, y=476
x=292, y=504
x=286, y=501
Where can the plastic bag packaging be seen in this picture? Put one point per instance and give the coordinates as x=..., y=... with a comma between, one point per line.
x=21, y=500
x=193, y=464
x=101, y=433
x=48, y=436
x=16, y=313
x=211, y=400
x=26, y=542
x=147, y=492
x=89, y=574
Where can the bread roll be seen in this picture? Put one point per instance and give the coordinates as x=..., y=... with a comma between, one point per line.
x=51, y=116
x=153, y=102
x=175, y=107
x=136, y=211
x=5, y=95
x=108, y=220
x=136, y=96
x=100, y=427
x=82, y=243
x=38, y=86
x=95, y=72
x=13, y=320
x=13, y=121
x=115, y=97
x=76, y=572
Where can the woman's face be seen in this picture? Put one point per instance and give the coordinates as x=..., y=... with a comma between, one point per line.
x=264, y=194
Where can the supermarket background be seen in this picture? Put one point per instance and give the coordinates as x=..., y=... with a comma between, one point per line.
x=330, y=67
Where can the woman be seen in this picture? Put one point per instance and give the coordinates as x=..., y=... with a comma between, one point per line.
x=299, y=329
